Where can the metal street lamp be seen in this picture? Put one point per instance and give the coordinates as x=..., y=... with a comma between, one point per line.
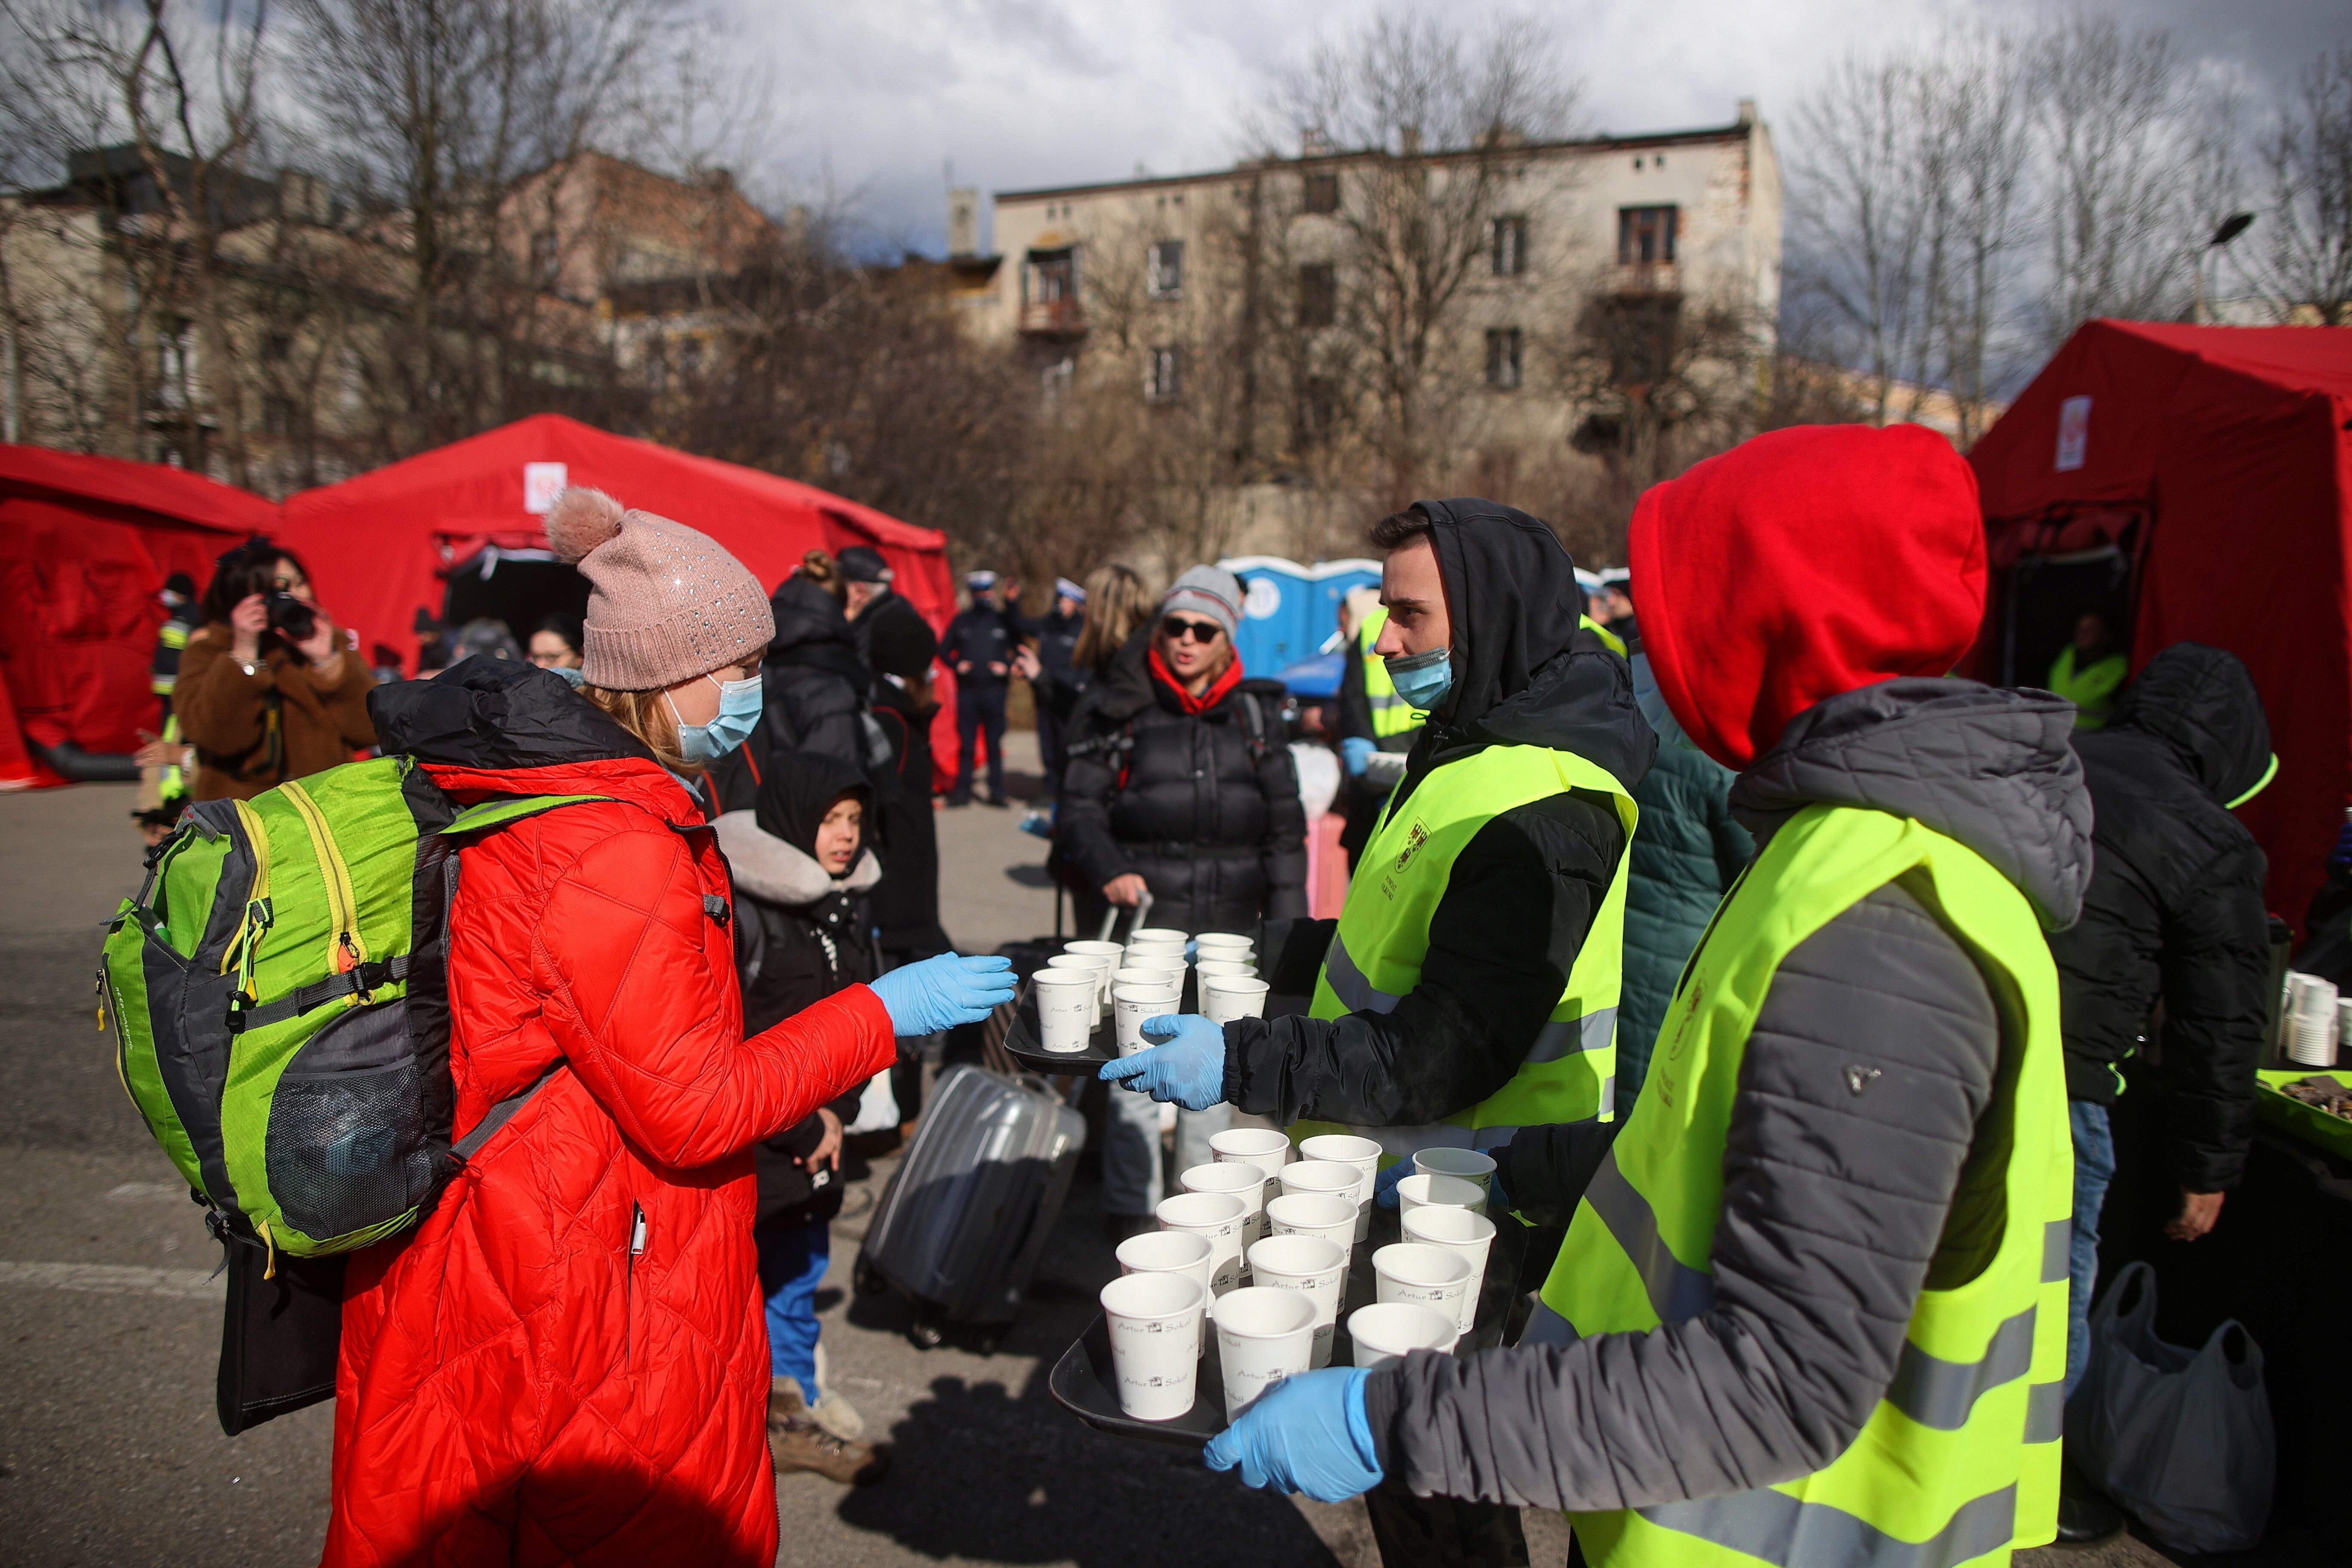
x=2232, y=228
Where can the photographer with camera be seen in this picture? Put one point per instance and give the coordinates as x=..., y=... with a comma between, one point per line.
x=267, y=690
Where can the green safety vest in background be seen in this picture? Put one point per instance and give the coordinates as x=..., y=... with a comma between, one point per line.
x=1569, y=1072
x=1391, y=714
x=1958, y=1463
x=2092, y=688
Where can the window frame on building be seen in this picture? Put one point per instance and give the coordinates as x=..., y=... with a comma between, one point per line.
x=1505, y=358
x=1632, y=223
x=1507, y=245
x=1163, y=374
x=1319, y=295
x=1163, y=276
x=1319, y=193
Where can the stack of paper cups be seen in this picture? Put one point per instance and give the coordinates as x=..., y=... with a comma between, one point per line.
x=1364, y=1154
x=2311, y=1027
x=1155, y=1342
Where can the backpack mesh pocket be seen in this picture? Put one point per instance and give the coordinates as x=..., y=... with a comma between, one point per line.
x=346, y=1150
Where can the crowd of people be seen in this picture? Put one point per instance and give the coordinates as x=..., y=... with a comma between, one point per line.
x=1787, y=978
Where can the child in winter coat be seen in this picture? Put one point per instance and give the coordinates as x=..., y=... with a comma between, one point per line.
x=803, y=933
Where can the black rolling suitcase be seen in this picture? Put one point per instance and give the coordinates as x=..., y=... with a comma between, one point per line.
x=966, y=1215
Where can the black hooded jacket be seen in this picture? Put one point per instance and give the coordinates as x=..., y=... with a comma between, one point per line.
x=1860, y=1165
x=1204, y=806
x=2175, y=910
x=1523, y=892
x=801, y=934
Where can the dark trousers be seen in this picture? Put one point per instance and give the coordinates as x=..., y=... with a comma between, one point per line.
x=976, y=710
x=1049, y=750
x=1444, y=1532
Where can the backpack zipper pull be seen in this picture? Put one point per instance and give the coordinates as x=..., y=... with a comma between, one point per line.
x=637, y=1232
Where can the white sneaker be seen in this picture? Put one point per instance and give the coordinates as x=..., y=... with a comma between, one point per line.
x=831, y=1411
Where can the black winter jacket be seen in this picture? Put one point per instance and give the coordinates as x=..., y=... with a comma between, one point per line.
x=892, y=639
x=2175, y=910
x=1525, y=889
x=979, y=636
x=1838, y=1207
x=1204, y=806
x=801, y=935
x=813, y=696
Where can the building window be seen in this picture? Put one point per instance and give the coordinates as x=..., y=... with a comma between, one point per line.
x=175, y=363
x=277, y=414
x=1503, y=358
x=1318, y=410
x=1645, y=235
x=1319, y=295
x=1051, y=277
x=1509, y=248
x=1322, y=194
x=1166, y=280
x=1054, y=385
x=1163, y=369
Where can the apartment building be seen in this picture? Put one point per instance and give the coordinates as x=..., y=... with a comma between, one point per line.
x=1582, y=273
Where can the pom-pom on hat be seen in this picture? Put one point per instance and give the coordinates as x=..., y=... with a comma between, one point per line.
x=665, y=603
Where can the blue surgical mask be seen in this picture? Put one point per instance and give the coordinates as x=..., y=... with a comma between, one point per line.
x=1422, y=679
x=1652, y=703
x=739, y=715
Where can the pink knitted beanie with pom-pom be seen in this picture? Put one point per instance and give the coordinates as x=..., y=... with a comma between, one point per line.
x=665, y=603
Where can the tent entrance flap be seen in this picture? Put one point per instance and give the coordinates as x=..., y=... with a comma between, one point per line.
x=2044, y=596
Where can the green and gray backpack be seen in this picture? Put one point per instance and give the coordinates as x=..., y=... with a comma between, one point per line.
x=281, y=1008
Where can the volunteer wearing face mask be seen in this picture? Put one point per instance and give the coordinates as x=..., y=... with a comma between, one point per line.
x=566, y=1358
x=1470, y=987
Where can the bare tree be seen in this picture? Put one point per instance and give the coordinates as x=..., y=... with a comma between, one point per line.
x=1427, y=121
x=2306, y=240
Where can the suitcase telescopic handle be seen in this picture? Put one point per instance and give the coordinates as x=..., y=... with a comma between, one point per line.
x=1111, y=917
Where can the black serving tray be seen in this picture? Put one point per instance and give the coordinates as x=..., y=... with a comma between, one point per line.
x=1020, y=1040
x=1082, y=1382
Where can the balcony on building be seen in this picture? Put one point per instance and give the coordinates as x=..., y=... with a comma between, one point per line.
x=1050, y=307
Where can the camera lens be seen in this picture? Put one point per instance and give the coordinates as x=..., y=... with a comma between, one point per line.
x=292, y=619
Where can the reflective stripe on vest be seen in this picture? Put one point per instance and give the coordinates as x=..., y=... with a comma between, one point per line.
x=1391, y=714
x=1569, y=1073
x=1960, y=1459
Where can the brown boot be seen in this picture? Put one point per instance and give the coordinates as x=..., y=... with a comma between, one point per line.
x=798, y=1443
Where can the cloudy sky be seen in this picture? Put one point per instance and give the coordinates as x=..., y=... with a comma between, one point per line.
x=879, y=97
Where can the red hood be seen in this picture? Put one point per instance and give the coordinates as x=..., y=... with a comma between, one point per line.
x=1803, y=564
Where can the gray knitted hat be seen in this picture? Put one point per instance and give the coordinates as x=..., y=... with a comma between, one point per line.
x=1210, y=591
x=665, y=603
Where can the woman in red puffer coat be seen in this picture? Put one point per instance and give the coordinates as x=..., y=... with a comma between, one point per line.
x=566, y=1362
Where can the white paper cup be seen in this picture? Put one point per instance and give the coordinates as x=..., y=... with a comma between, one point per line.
x=1097, y=964
x=1445, y=1191
x=1386, y=1330
x=1316, y=1267
x=1170, y=1252
x=1262, y=1146
x=1226, y=998
x=1363, y=1154
x=1223, y=944
x=1467, y=1235
x=1263, y=1335
x=1094, y=949
x=1130, y=1005
x=1152, y=979
x=1242, y=1179
x=1321, y=1177
x=1326, y=1214
x=1468, y=1163
x=1211, y=969
x=1158, y=936
x=1430, y=1276
x=1216, y=1218
x=2310, y=1042
x=1155, y=1342
x=1066, y=1008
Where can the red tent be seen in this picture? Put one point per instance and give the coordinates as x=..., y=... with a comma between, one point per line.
x=85, y=545
x=2194, y=483
x=433, y=527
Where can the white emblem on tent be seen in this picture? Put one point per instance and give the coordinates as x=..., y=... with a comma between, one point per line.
x=542, y=483
x=2073, y=433
x=1263, y=598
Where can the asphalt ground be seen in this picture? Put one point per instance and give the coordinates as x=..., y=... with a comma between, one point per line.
x=110, y=1324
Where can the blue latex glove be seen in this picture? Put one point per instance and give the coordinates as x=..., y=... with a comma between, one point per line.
x=1306, y=1433
x=940, y=993
x=1384, y=1188
x=1356, y=755
x=1189, y=1070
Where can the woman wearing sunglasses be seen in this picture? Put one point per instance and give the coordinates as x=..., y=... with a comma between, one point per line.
x=1180, y=781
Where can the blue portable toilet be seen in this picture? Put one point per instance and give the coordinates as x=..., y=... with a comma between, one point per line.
x=1291, y=612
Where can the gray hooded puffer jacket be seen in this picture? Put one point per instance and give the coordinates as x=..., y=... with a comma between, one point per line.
x=1839, y=1207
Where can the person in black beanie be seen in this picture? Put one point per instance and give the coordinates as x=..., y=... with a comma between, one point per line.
x=802, y=873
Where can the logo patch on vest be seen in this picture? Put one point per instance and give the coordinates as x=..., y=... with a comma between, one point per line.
x=1414, y=837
